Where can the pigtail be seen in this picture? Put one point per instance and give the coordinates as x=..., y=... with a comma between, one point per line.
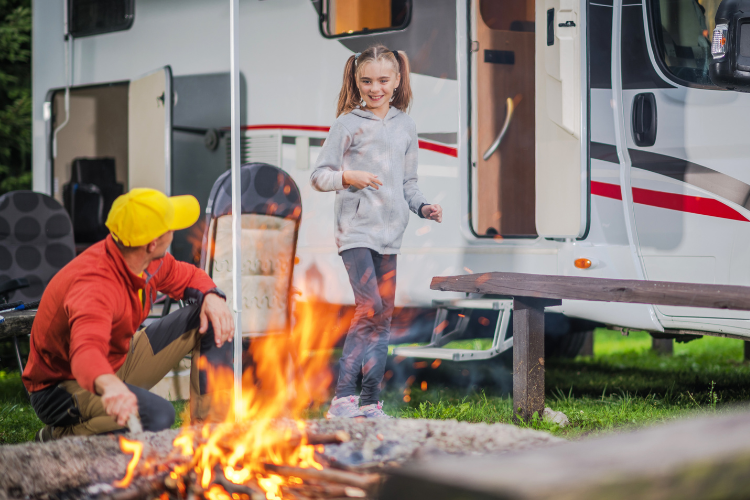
x=349, y=94
x=402, y=97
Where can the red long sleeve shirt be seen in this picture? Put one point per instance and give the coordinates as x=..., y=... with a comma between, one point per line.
x=91, y=309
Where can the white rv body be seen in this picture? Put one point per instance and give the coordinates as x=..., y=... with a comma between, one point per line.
x=674, y=211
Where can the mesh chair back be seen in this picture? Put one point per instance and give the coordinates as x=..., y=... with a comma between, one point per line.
x=271, y=212
x=36, y=241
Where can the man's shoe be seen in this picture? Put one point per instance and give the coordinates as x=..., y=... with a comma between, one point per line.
x=44, y=435
x=344, y=407
x=374, y=410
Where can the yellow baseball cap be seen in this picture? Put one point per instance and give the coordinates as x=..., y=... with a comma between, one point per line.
x=143, y=214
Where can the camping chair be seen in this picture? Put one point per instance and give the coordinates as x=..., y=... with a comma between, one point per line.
x=36, y=241
x=271, y=213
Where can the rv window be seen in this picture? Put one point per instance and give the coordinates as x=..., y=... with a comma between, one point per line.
x=682, y=30
x=93, y=17
x=355, y=17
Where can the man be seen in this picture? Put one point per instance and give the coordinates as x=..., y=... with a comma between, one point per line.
x=90, y=367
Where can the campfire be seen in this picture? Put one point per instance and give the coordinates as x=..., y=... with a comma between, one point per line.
x=270, y=452
x=267, y=452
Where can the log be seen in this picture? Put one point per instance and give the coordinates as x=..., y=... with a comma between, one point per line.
x=254, y=492
x=693, y=459
x=598, y=289
x=337, y=437
x=71, y=463
x=367, y=482
x=16, y=324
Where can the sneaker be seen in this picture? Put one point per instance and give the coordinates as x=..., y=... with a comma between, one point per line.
x=44, y=435
x=344, y=407
x=374, y=410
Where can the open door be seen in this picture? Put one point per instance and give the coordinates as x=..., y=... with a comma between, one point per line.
x=562, y=173
x=503, y=97
x=150, y=131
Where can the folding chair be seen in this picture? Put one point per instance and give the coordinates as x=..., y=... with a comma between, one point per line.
x=271, y=213
x=36, y=241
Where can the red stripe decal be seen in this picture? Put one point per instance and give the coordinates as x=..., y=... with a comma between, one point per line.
x=670, y=201
x=430, y=146
x=312, y=128
x=607, y=190
x=438, y=148
x=682, y=203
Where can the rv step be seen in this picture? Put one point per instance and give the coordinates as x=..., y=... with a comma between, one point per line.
x=501, y=340
x=428, y=352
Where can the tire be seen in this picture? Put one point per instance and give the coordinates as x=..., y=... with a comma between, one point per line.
x=564, y=346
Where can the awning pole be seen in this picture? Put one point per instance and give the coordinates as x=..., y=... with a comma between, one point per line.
x=234, y=12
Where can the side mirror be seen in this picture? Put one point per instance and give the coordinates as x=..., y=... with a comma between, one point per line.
x=730, y=47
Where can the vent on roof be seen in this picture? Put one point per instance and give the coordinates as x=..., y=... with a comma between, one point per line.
x=265, y=148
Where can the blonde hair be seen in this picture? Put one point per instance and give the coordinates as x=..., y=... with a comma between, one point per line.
x=349, y=97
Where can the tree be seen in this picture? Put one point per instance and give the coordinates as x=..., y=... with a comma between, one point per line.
x=15, y=95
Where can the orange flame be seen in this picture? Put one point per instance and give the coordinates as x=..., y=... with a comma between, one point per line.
x=290, y=374
x=136, y=448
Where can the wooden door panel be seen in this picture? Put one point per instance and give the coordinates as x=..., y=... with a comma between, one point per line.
x=505, y=69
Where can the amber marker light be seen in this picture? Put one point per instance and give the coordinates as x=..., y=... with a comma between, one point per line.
x=582, y=263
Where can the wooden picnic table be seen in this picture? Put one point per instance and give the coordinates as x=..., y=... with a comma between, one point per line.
x=531, y=293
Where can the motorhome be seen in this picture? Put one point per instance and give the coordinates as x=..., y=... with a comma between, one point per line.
x=561, y=137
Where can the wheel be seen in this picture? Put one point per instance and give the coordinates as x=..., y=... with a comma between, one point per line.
x=564, y=346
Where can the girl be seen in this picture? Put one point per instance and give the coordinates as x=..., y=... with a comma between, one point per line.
x=370, y=160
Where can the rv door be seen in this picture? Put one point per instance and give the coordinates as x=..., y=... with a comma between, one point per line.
x=150, y=131
x=562, y=160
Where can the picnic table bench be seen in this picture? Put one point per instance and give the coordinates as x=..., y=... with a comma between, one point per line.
x=531, y=293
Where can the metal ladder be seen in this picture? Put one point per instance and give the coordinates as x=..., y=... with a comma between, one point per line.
x=501, y=341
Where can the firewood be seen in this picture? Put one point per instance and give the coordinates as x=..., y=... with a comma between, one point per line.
x=337, y=437
x=366, y=482
x=255, y=493
x=329, y=490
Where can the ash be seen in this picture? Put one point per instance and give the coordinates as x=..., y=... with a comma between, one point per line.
x=380, y=443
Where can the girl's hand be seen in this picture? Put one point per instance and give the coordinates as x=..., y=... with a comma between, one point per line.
x=360, y=179
x=433, y=212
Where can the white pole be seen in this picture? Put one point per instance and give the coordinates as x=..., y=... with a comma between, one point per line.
x=234, y=14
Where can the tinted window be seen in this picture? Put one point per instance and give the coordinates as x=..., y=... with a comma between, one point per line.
x=93, y=17
x=351, y=17
x=682, y=30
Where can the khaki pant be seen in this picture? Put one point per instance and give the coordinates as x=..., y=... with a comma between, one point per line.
x=154, y=351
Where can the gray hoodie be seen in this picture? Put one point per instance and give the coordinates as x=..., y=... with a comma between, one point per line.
x=359, y=140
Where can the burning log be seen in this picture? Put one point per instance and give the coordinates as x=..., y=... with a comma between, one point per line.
x=230, y=487
x=337, y=437
x=366, y=482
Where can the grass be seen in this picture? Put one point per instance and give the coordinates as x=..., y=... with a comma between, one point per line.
x=18, y=422
x=623, y=386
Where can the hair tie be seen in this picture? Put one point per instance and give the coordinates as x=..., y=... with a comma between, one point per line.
x=356, y=56
x=398, y=60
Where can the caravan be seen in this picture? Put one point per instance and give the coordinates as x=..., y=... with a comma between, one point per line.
x=562, y=137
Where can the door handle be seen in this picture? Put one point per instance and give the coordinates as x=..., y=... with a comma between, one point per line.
x=644, y=119
x=509, y=108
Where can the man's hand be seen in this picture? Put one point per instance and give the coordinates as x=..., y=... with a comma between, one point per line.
x=360, y=179
x=433, y=212
x=117, y=399
x=216, y=311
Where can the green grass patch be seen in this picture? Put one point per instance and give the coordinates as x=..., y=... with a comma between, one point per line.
x=624, y=385
x=19, y=423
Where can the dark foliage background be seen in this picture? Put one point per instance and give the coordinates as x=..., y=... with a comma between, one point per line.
x=15, y=95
